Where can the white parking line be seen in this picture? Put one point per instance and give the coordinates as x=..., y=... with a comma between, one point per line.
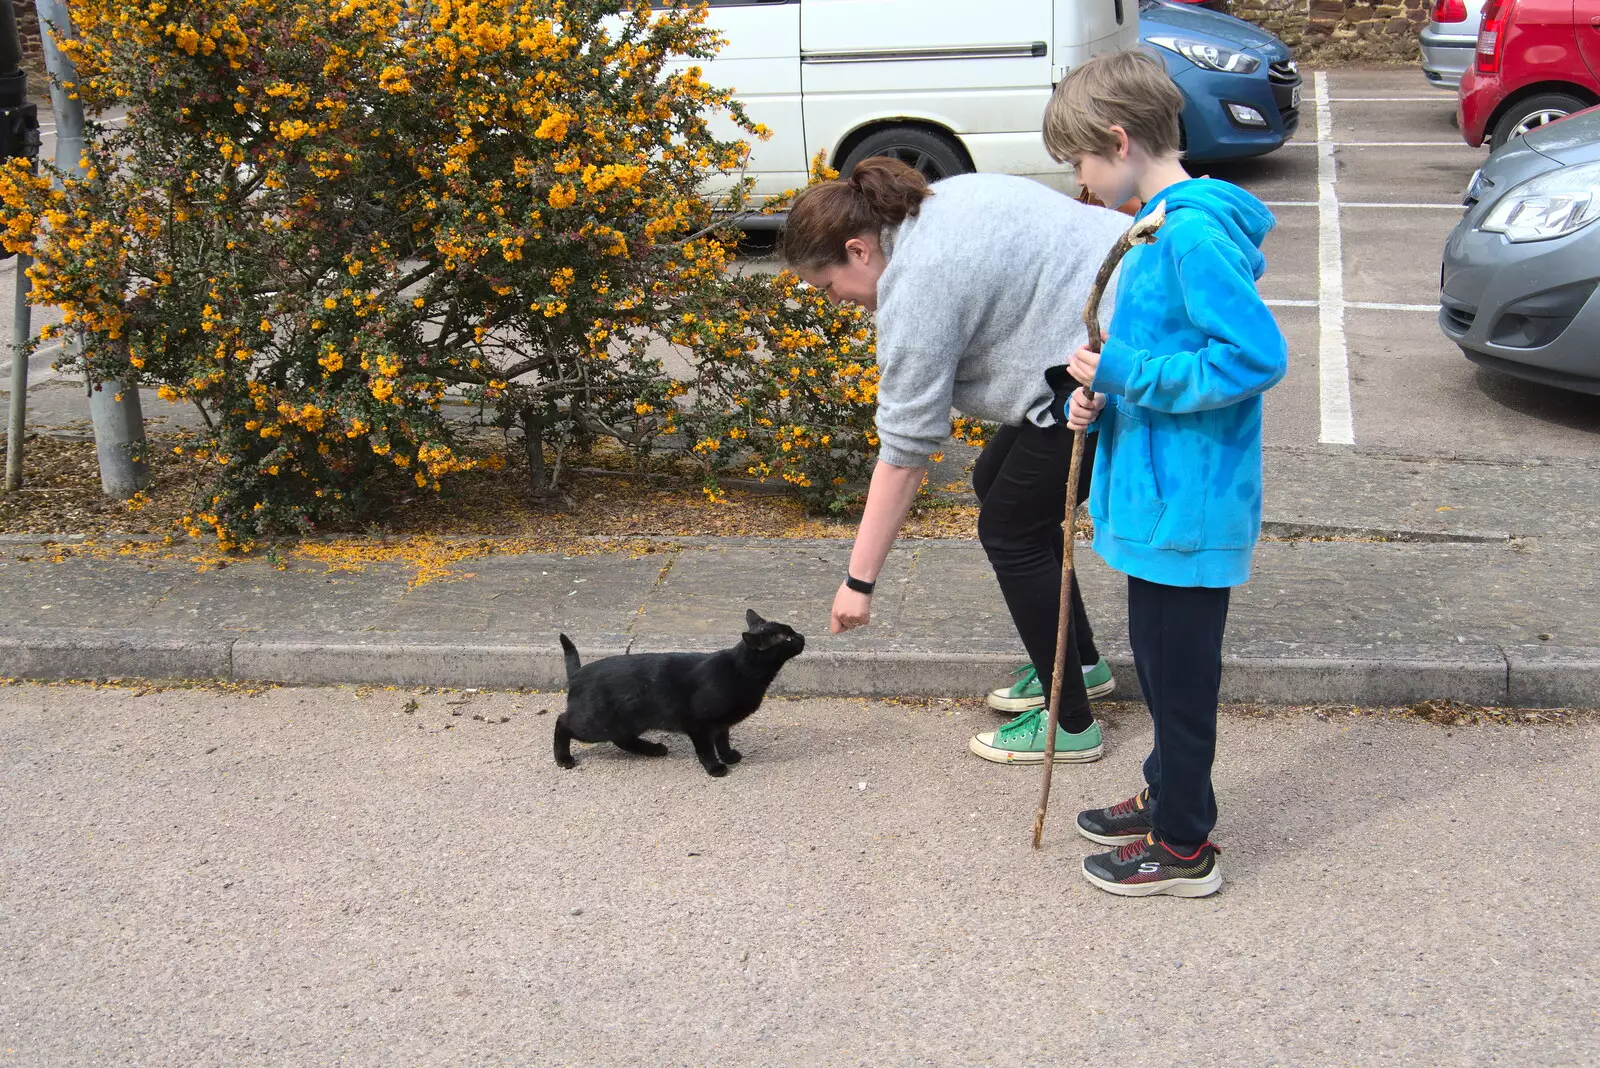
x=1442, y=98
x=1338, y=424
x=1410, y=144
x=1360, y=204
x=1381, y=144
x=1359, y=305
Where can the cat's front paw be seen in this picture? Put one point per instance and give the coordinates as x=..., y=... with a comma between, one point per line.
x=568, y=763
x=731, y=756
x=716, y=771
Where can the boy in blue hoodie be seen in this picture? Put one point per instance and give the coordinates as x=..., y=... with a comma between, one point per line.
x=1177, y=480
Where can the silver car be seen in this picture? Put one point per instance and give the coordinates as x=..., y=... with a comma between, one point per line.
x=1517, y=287
x=1449, y=40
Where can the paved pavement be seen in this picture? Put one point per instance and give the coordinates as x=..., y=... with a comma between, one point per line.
x=1472, y=616
x=316, y=876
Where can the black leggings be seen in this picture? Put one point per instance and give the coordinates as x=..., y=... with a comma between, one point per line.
x=1021, y=483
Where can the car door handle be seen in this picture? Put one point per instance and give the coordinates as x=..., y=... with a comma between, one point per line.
x=1595, y=22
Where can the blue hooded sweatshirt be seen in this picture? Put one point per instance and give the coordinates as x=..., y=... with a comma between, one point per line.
x=1176, y=497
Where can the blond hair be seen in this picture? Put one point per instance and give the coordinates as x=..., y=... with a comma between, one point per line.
x=1129, y=89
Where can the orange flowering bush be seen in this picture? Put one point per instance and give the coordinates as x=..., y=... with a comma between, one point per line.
x=322, y=215
x=785, y=385
x=786, y=388
x=321, y=218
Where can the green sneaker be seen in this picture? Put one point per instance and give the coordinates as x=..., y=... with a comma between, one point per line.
x=1022, y=742
x=1023, y=694
x=1026, y=693
x=1098, y=680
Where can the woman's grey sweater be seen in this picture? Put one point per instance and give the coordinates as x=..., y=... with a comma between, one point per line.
x=984, y=289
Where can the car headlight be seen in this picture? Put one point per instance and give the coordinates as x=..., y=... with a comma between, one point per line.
x=1476, y=188
x=1209, y=56
x=1552, y=205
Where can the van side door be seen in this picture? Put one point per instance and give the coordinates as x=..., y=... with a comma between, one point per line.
x=1086, y=28
x=761, y=64
x=977, y=69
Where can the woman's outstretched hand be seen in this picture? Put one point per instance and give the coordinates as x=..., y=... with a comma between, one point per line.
x=850, y=610
x=889, y=498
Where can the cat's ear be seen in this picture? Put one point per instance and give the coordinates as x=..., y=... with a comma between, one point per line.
x=763, y=640
x=752, y=619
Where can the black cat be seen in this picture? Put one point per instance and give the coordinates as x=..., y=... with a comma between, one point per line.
x=698, y=694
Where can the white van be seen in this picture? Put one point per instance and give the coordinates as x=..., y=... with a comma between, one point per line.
x=949, y=86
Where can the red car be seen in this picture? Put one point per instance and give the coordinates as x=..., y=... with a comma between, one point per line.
x=1537, y=61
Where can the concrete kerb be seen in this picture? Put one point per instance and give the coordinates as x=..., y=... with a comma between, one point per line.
x=1289, y=674
x=1542, y=677
x=1480, y=675
x=83, y=653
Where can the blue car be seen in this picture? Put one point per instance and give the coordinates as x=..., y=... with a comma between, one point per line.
x=1240, y=85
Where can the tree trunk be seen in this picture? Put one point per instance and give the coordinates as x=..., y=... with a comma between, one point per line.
x=533, y=447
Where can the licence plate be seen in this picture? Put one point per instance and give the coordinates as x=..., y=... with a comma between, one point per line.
x=1294, y=97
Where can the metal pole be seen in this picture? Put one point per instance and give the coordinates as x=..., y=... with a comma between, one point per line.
x=19, y=139
x=114, y=406
x=19, y=373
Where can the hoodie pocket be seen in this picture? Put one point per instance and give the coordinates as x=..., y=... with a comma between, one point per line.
x=1135, y=495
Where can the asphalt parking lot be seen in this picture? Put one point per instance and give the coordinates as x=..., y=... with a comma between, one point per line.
x=1365, y=195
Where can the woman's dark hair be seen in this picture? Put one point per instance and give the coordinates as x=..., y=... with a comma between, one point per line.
x=879, y=193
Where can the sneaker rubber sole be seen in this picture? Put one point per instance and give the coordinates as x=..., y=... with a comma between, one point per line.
x=1010, y=756
x=1001, y=701
x=1110, y=839
x=1204, y=886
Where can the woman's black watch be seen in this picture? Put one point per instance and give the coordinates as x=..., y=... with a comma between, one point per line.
x=851, y=582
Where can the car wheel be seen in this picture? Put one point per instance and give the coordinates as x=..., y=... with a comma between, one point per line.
x=1532, y=113
x=933, y=155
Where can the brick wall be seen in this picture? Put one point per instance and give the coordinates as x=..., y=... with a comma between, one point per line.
x=1354, y=30
x=32, y=57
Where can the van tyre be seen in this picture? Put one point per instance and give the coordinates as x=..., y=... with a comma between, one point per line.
x=1532, y=113
x=934, y=155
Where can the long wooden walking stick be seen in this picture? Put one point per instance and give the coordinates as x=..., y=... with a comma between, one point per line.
x=1142, y=232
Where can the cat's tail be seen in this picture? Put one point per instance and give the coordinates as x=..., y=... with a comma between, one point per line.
x=570, y=652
